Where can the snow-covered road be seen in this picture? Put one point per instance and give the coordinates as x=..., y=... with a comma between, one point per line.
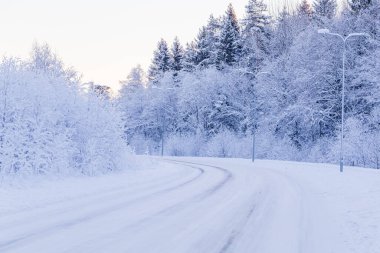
x=201, y=205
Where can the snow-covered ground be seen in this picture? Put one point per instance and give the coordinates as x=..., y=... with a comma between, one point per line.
x=195, y=205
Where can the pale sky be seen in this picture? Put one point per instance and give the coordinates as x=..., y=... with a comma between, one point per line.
x=104, y=39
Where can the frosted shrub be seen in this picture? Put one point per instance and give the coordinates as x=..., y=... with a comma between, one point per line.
x=143, y=146
x=187, y=145
x=270, y=147
x=49, y=124
x=325, y=150
x=362, y=145
x=227, y=144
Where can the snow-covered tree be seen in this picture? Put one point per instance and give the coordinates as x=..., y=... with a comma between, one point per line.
x=103, y=91
x=358, y=5
x=256, y=17
x=136, y=79
x=304, y=14
x=161, y=61
x=283, y=35
x=229, y=45
x=51, y=124
x=203, y=49
x=305, y=9
x=325, y=8
x=256, y=34
x=132, y=102
x=177, y=55
x=205, y=45
x=190, y=57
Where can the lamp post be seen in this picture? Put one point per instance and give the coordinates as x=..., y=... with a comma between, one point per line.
x=344, y=39
x=255, y=125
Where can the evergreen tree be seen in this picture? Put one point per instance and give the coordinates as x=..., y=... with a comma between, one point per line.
x=206, y=42
x=256, y=18
x=284, y=34
x=161, y=61
x=135, y=79
x=256, y=34
x=102, y=91
x=203, y=53
x=229, y=45
x=213, y=30
x=325, y=8
x=189, y=57
x=304, y=10
x=177, y=55
x=357, y=5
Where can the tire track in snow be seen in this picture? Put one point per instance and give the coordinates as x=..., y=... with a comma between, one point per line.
x=235, y=234
x=239, y=229
x=54, y=209
x=94, y=195
x=197, y=198
x=6, y=245
x=171, y=209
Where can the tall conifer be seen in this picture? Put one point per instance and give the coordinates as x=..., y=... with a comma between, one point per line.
x=161, y=61
x=229, y=45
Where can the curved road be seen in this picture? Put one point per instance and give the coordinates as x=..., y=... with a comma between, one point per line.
x=200, y=205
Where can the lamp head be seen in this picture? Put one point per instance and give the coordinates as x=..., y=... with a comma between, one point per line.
x=361, y=34
x=323, y=31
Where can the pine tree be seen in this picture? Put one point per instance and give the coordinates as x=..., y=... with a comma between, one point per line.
x=135, y=79
x=229, y=45
x=161, y=61
x=203, y=53
x=213, y=30
x=256, y=33
x=325, y=8
x=206, y=42
x=189, y=57
x=284, y=33
x=256, y=18
x=177, y=55
x=102, y=91
x=357, y=5
x=305, y=10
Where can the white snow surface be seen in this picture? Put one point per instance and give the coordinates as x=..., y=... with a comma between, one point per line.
x=203, y=205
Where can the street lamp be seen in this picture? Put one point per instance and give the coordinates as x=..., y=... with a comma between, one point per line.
x=344, y=39
x=254, y=127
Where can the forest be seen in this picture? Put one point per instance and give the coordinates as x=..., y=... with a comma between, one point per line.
x=274, y=80
x=262, y=82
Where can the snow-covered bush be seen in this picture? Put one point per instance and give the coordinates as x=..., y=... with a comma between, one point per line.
x=227, y=144
x=186, y=145
x=143, y=146
x=361, y=145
